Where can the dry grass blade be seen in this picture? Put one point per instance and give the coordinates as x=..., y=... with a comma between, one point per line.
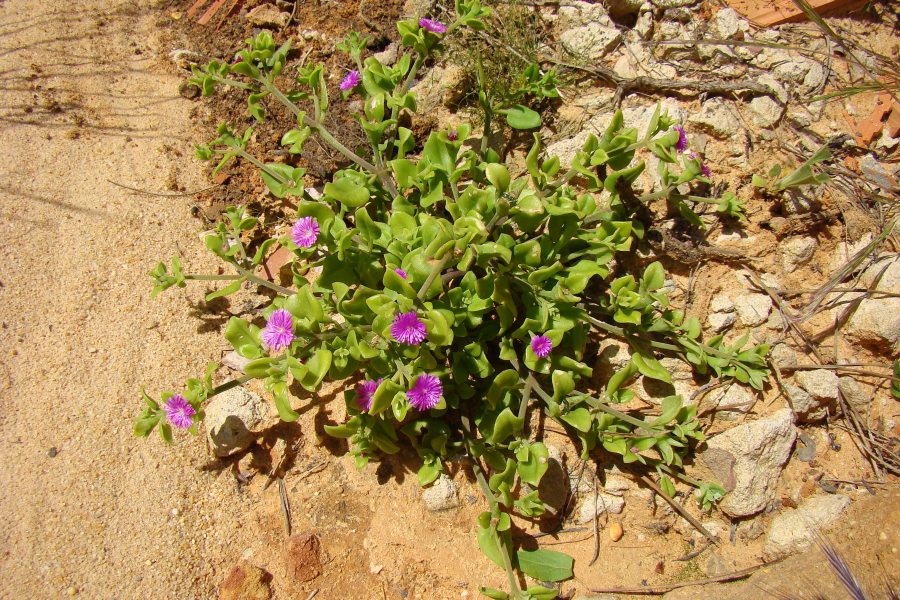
x=663, y=589
x=842, y=569
x=680, y=509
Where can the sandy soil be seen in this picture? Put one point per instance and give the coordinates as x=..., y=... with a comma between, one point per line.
x=85, y=100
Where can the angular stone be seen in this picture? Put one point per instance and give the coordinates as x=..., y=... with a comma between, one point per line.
x=719, y=322
x=605, y=503
x=737, y=398
x=784, y=356
x=726, y=23
x=807, y=408
x=853, y=392
x=717, y=118
x=876, y=322
x=233, y=420
x=592, y=41
x=721, y=303
x=246, y=582
x=268, y=15
x=797, y=529
x=753, y=309
x=766, y=111
x=797, y=251
x=747, y=460
x=301, y=555
x=443, y=494
x=821, y=384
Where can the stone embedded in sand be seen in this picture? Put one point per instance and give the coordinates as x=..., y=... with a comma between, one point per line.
x=853, y=392
x=717, y=118
x=233, y=420
x=822, y=384
x=753, y=309
x=766, y=111
x=747, y=460
x=736, y=400
x=797, y=251
x=719, y=322
x=268, y=15
x=591, y=41
x=246, y=582
x=441, y=495
x=605, y=503
x=807, y=407
x=796, y=529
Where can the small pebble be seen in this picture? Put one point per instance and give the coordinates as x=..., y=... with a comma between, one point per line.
x=616, y=532
x=52, y=452
x=72, y=591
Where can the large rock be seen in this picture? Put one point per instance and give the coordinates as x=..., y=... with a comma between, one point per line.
x=233, y=420
x=748, y=459
x=441, y=495
x=753, y=309
x=796, y=529
x=246, y=582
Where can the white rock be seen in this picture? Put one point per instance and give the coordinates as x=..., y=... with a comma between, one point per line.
x=716, y=117
x=721, y=303
x=797, y=251
x=766, y=111
x=772, y=282
x=715, y=527
x=567, y=149
x=235, y=361
x=233, y=420
x=605, y=503
x=807, y=408
x=719, y=322
x=592, y=41
x=813, y=79
x=753, y=309
x=578, y=13
x=784, y=356
x=887, y=273
x=389, y=55
x=747, y=460
x=775, y=85
x=726, y=23
x=876, y=322
x=797, y=529
x=441, y=495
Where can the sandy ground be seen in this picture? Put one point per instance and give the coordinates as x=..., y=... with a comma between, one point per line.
x=86, y=100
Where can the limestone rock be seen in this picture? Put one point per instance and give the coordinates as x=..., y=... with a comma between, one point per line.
x=820, y=383
x=721, y=303
x=753, y=309
x=233, y=420
x=268, y=15
x=591, y=41
x=797, y=251
x=766, y=111
x=844, y=251
x=876, y=322
x=443, y=494
x=747, y=460
x=736, y=399
x=605, y=503
x=719, y=322
x=726, y=24
x=784, y=356
x=246, y=582
x=796, y=529
x=717, y=118
x=807, y=408
x=853, y=392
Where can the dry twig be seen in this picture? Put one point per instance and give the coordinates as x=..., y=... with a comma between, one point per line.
x=662, y=589
x=680, y=509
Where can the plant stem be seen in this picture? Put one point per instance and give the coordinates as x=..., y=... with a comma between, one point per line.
x=212, y=277
x=431, y=277
x=228, y=385
x=260, y=281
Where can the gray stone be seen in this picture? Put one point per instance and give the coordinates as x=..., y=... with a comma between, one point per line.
x=753, y=309
x=566, y=149
x=737, y=398
x=766, y=111
x=853, y=392
x=605, y=503
x=884, y=275
x=389, y=55
x=807, y=408
x=878, y=174
x=235, y=361
x=592, y=41
x=783, y=356
x=797, y=251
x=721, y=303
x=716, y=565
x=719, y=322
x=821, y=384
x=443, y=494
x=616, y=485
x=268, y=15
x=797, y=529
x=578, y=13
x=233, y=420
x=747, y=460
x=716, y=117
x=776, y=86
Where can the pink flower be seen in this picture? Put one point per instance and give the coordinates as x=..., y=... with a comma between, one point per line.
x=350, y=81
x=452, y=135
x=425, y=393
x=432, y=26
x=681, y=144
x=179, y=412
x=541, y=345
x=305, y=232
x=400, y=272
x=364, y=393
x=279, y=331
x=408, y=329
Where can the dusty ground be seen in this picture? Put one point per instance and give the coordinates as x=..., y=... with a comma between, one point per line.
x=87, y=509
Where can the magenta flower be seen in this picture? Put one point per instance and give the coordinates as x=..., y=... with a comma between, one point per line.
x=350, y=81
x=179, y=412
x=681, y=144
x=452, y=135
x=400, y=272
x=364, y=393
x=541, y=345
x=279, y=331
x=432, y=26
x=425, y=393
x=305, y=232
x=408, y=329
x=703, y=168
